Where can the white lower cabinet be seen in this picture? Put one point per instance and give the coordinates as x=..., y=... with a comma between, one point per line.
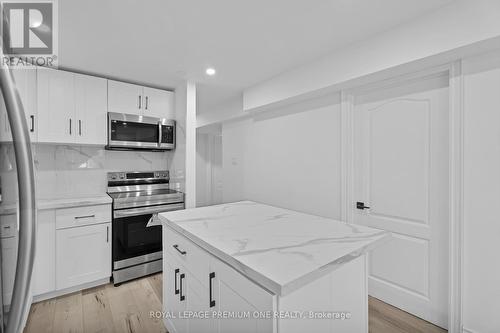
x=198, y=301
x=234, y=293
x=171, y=297
x=73, y=249
x=83, y=255
x=228, y=298
x=44, y=270
x=8, y=243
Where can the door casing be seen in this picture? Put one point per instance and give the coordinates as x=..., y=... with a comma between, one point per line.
x=455, y=191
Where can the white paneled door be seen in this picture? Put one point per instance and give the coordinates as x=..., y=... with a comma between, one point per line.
x=400, y=184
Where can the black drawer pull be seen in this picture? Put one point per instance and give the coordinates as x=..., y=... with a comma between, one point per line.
x=211, y=276
x=178, y=250
x=84, y=217
x=180, y=281
x=175, y=283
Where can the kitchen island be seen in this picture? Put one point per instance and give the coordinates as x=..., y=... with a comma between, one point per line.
x=250, y=267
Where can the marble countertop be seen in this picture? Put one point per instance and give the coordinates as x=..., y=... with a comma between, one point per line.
x=60, y=203
x=280, y=249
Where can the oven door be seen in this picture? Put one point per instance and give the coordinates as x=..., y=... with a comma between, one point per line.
x=167, y=134
x=133, y=241
x=133, y=131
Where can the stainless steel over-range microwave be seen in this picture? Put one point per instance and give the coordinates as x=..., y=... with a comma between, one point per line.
x=129, y=131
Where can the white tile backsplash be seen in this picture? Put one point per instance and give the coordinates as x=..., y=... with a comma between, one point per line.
x=78, y=171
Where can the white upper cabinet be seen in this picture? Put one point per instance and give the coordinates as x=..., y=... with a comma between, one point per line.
x=90, y=108
x=124, y=97
x=56, y=106
x=144, y=101
x=71, y=108
x=25, y=80
x=158, y=103
x=65, y=107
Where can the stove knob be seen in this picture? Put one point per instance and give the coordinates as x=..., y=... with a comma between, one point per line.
x=113, y=177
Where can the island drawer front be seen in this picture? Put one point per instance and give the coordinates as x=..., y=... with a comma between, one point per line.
x=188, y=254
x=81, y=216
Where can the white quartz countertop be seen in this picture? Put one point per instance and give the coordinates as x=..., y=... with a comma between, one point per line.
x=280, y=249
x=60, y=203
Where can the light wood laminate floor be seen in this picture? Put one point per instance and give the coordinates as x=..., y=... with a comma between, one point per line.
x=126, y=309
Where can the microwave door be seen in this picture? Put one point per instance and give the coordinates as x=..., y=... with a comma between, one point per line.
x=129, y=131
x=167, y=134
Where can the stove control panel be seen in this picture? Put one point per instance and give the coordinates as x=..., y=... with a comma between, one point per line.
x=161, y=174
x=137, y=175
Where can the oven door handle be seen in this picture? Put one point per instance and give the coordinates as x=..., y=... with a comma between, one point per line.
x=147, y=210
x=153, y=221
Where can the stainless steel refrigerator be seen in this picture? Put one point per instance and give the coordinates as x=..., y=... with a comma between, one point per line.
x=12, y=320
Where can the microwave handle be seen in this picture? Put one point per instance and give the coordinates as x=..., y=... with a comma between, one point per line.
x=159, y=134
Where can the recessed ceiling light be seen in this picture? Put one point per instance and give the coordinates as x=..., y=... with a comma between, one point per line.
x=210, y=71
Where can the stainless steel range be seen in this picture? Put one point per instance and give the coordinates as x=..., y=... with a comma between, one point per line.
x=137, y=198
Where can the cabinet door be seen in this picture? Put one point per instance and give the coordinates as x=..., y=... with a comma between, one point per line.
x=172, y=303
x=26, y=85
x=5, y=132
x=9, y=258
x=44, y=270
x=25, y=80
x=56, y=106
x=83, y=255
x=124, y=97
x=198, y=301
x=234, y=292
x=158, y=103
x=91, y=106
x=8, y=244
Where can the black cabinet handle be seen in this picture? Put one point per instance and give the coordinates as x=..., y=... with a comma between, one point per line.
x=140, y=101
x=80, y=127
x=180, y=282
x=84, y=217
x=211, y=276
x=32, y=129
x=178, y=250
x=175, y=283
x=146, y=103
x=70, y=126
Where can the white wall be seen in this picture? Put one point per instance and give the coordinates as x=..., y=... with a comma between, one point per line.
x=481, y=287
x=267, y=158
x=208, y=167
x=288, y=158
x=178, y=159
x=454, y=26
x=234, y=147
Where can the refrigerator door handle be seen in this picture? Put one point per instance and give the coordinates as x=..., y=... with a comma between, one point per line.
x=21, y=296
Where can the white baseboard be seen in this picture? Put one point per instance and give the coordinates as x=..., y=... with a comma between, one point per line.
x=57, y=293
x=465, y=330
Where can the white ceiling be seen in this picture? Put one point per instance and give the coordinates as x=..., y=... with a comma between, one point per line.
x=162, y=42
